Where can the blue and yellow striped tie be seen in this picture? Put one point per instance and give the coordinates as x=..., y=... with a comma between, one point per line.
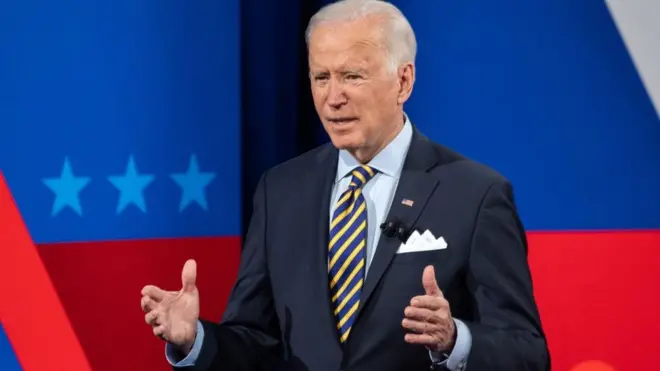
x=347, y=250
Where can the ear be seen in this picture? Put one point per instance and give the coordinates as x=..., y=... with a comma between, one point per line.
x=406, y=76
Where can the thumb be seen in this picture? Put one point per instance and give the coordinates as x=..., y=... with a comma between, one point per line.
x=188, y=275
x=428, y=280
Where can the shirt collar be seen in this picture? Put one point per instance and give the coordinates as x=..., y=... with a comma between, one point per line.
x=388, y=161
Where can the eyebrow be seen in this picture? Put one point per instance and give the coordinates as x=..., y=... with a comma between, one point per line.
x=353, y=70
x=342, y=70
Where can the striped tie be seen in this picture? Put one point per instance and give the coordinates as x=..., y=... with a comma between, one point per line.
x=346, y=259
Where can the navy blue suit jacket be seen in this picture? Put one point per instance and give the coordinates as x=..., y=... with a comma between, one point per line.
x=279, y=315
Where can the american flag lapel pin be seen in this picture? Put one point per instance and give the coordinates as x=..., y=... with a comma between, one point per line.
x=407, y=202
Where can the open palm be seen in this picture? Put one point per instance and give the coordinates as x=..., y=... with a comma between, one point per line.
x=173, y=315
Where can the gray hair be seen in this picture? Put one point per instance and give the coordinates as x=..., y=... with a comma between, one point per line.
x=399, y=36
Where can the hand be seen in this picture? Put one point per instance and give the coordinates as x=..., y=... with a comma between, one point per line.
x=173, y=314
x=429, y=317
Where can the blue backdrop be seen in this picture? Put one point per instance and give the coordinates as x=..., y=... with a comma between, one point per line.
x=121, y=119
x=545, y=92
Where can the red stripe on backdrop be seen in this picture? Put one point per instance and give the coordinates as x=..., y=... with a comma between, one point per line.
x=99, y=284
x=33, y=317
x=599, y=298
x=596, y=291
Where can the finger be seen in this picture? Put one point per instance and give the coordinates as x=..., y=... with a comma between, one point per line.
x=152, y=317
x=147, y=304
x=418, y=326
x=155, y=293
x=421, y=314
x=429, y=302
x=424, y=339
x=429, y=282
x=189, y=275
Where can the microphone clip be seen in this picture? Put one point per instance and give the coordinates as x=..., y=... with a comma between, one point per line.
x=395, y=228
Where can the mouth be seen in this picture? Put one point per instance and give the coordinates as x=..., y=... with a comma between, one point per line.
x=340, y=121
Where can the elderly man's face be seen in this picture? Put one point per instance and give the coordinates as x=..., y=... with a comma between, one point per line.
x=356, y=97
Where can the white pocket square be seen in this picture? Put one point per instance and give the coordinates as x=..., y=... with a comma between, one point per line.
x=422, y=242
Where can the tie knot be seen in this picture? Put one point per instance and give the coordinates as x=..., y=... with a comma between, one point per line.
x=361, y=175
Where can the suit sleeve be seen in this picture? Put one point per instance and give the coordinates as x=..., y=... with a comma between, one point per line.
x=247, y=338
x=506, y=328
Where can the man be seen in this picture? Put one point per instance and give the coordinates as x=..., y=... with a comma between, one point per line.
x=334, y=274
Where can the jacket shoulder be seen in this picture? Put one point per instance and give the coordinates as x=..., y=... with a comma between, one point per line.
x=466, y=169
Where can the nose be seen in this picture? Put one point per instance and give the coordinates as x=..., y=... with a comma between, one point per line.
x=336, y=95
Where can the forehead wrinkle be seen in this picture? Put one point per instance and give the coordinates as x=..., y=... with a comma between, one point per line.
x=355, y=55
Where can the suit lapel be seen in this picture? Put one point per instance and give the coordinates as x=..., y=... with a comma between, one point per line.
x=416, y=184
x=323, y=180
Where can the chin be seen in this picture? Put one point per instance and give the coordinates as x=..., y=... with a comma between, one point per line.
x=346, y=142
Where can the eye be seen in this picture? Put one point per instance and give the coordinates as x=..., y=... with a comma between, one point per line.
x=353, y=76
x=320, y=77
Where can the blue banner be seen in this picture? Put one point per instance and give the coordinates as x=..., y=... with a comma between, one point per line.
x=547, y=93
x=120, y=119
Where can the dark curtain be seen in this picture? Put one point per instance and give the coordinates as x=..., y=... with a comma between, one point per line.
x=278, y=117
